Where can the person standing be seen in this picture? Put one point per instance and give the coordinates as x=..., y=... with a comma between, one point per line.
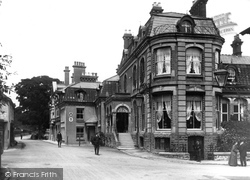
x=197, y=149
x=233, y=156
x=243, y=153
x=96, y=142
x=59, y=138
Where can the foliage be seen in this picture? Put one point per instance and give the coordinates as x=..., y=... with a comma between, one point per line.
x=234, y=131
x=5, y=63
x=34, y=96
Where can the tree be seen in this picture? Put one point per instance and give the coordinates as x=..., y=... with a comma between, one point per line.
x=34, y=96
x=5, y=63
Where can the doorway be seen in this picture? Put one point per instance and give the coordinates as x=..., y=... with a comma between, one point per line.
x=191, y=142
x=90, y=132
x=122, y=122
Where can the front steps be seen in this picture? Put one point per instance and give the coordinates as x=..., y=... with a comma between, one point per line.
x=126, y=141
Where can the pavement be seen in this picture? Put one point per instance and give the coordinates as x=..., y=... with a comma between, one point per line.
x=136, y=153
x=148, y=155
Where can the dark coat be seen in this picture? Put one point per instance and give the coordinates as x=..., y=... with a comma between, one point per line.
x=243, y=149
x=96, y=141
x=59, y=137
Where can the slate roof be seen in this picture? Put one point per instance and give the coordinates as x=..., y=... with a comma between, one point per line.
x=85, y=85
x=110, y=86
x=166, y=23
x=230, y=59
x=241, y=64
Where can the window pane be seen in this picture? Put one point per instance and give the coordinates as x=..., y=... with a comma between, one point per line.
x=79, y=113
x=79, y=132
x=224, y=107
x=236, y=108
x=224, y=117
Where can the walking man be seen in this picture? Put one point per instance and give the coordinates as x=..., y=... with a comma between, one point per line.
x=243, y=153
x=59, y=138
x=96, y=142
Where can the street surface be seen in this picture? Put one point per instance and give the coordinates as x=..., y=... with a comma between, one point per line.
x=82, y=163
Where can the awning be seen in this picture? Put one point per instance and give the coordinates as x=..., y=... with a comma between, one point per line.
x=90, y=115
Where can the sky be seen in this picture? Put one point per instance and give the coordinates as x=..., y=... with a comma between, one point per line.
x=44, y=36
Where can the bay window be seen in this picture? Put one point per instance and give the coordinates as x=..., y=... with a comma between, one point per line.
x=163, y=112
x=193, y=61
x=194, y=113
x=163, y=61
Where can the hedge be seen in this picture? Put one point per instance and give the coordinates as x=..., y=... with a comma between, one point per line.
x=234, y=131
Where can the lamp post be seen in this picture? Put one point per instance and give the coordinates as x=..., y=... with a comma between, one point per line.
x=221, y=77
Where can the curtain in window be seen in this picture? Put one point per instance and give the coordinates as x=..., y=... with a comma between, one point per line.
x=159, y=113
x=242, y=109
x=189, y=64
x=189, y=109
x=163, y=61
x=197, y=110
x=168, y=108
x=193, y=64
x=197, y=65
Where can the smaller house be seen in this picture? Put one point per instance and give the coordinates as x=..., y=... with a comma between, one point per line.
x=73, y=106
x=6, y=122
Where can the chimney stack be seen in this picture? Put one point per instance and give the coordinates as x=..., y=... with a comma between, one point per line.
x=79, y=70
x=199, y=8
x=156, y=9
x=236, y=45
x=127, y=37
x=66, y=75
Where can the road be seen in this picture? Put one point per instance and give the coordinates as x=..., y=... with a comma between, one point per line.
x=81, y=163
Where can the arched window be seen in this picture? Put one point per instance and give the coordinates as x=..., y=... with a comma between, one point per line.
x=134, y=76
x=193, y=61
x=163, y=61
x=142, y=71
x=125, y=83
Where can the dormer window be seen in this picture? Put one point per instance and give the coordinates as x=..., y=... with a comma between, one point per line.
x=231, y=76
x=186, y=24
x=81, y=95
x=186, y=27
